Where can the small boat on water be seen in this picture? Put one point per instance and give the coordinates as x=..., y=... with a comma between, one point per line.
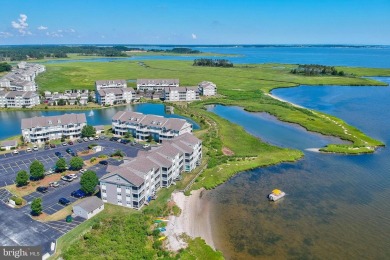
x=276, y=195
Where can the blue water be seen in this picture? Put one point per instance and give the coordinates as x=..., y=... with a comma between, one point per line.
x=338, y=207
x=376, y=57
x=10, y=120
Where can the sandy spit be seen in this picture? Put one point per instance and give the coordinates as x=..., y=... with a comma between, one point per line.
x=194, y=220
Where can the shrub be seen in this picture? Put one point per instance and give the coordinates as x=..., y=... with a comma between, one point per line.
x=18, y=200
x=92, y=159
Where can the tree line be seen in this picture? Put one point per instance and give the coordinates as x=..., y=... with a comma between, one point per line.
x=179, y=50
x=213, y=63
x=5, y=67
x=16, y=53
x=314, y=70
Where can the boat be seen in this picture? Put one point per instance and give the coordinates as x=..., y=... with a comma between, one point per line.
x=276, y=195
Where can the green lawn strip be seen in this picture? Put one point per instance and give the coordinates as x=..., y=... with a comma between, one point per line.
x=198, y=249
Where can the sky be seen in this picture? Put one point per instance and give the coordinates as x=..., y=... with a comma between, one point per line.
x=195, y=22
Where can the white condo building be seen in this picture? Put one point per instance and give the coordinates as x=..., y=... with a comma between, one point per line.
x=41, y=129
x=22, y=99
x=156, y=84
x=115, y=96
x=109, y=84
x=142, y=126
x=133, y=183
x=207, y=88
x=181, y=94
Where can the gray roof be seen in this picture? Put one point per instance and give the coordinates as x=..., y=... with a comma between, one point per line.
x=108, y=82
x=181, y=89
x=99, y=127
x=53, y=120
x=23, y=94
x=90, y=204
x=157, y=81
x=9, y=143
x=116, y=91
x=126, y=174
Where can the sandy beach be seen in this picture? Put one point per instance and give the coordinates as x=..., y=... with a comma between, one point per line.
x=194, y=220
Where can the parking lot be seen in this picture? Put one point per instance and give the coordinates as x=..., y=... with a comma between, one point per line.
x=11, y=163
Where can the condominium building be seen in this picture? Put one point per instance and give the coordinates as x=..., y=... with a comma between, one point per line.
x=109, y=84
x=181, y=94
x=41, y=129
x=207, y=88
x=142, y=126
x=156, y=84
x=133, y=183
x=114, y=96
x=22, y=77
x=26, y=99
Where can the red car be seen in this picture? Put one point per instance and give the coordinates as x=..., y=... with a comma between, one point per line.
x=70, y=143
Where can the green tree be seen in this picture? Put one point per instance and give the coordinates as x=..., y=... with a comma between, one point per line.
x=61, y=165
x=61, y=102
x=37, y=170
x=36, y=207
x=88, y=181
x=88, y=131
x=76, y=163
x=21, y=178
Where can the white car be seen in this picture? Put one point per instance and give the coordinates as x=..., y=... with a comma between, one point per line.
x=35, y=148
x=15, y=152
x=28, y=149
x=73, y=176
x=91, y=138
x=146, y=145
x=82, y=170
x=64, y=144
x=96, y=137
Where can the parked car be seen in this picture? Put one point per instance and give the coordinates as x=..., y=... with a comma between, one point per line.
x=146, y=146
x=73, y=176
x=35, y=148
x=70, y=143
x=68, y=150
x=54, y=184
x=114, y=139
x=52, y=146
x=133, y=143
x=82, y=170
x=125, y=141
x=91, y=138
x=28, y=149
x=58, y=154
x=103, y=162
x=15, y=152
x=64, y=144
x=66, y=178
x=50, y=171
x=42, y=189
x=78, y=194
x=96, y=137
x=47, y=147
x=119, y=140
x=85, y=139
x=102, y=137
x=64, y=201
x=80, y=140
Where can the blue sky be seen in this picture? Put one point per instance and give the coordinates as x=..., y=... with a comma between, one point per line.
x=195, y=22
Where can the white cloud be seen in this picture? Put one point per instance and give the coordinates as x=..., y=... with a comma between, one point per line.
x=54, y=34
x=42, y=27
x=5, y=35
x=193, y=35
x=21, y=25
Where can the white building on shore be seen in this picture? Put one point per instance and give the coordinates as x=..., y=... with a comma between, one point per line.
x=115, y=96
x=41, y=129
x=19, y=99
x=136, y=181
x=142, y=126
x=107, y=84
x=156, y=84
x=207, y=88
x=172, y=94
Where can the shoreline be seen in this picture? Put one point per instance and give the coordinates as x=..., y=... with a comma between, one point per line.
x=194, y=220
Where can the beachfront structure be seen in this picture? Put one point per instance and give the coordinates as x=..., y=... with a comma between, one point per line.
x=22, y=99
x=113, y=96
x=136, y=181
x=207, y=88
x=156, y=84
x=180, y=94
x=88, y=207
x=110, y=84
x=8, y=145
x=41, y=129
x=142, y=126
